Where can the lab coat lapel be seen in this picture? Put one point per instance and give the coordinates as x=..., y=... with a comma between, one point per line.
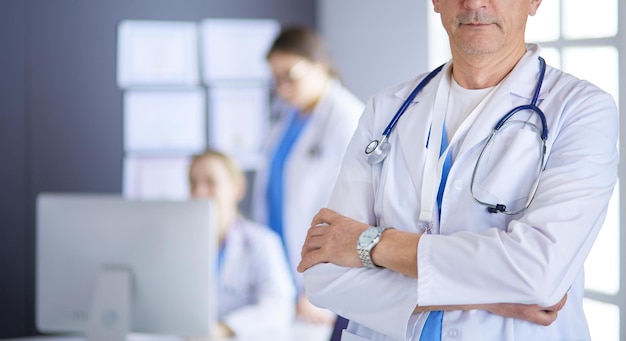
x=414, y=125
x=520, y=84
x=314, y=132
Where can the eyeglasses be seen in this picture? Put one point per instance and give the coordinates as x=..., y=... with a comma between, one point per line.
x=295, y=73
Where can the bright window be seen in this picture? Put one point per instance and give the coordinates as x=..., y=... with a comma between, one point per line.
x=585, y=19
x=586, y=46
x=580, y=38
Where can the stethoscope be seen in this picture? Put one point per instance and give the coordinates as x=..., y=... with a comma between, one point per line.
x=377, y=150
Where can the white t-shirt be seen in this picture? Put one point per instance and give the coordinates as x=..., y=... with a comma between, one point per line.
x=461, y=102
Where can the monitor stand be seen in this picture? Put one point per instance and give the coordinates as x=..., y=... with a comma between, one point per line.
x=109, y=316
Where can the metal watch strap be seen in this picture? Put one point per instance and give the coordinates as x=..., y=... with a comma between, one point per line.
x=365, y=254
x=366, y=259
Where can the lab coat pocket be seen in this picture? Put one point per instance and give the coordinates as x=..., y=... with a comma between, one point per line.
x=509, y=167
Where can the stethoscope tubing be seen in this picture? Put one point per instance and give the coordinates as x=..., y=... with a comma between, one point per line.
x=376, y=154
x=409, y=100
x=501, y=208
x=377, y=150
x=532, y=106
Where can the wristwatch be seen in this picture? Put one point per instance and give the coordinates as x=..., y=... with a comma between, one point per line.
x=367, y=240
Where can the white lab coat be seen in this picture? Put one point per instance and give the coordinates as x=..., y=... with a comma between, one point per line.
x=480, y=257
x=256, y=295
x=312, y=164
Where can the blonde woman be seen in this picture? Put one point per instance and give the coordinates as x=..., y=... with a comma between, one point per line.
x=256, y=291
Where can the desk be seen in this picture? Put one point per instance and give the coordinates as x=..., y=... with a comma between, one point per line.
x=299, y=332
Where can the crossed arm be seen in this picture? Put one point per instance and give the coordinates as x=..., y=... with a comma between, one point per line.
x=332, y=238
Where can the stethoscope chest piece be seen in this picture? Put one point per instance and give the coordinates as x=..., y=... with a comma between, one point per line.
x=377, y=150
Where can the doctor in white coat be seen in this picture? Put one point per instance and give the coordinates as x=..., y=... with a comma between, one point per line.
x=317, y=118
x=255, y=293
x=514, y=274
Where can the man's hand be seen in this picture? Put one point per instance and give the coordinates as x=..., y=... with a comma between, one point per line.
x=309, y=313
x=331, y=238
x=528, y=312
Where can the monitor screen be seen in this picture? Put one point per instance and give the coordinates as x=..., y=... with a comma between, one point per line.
x=167, y=248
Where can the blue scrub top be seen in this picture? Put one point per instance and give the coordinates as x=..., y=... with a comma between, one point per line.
x=276, y=175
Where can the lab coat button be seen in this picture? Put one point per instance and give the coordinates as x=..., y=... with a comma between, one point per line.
x=453, y=333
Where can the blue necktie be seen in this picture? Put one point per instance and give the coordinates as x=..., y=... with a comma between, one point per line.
x=432, y=326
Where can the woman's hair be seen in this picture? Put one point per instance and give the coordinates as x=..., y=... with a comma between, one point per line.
x=303, y=42
x=231, y=165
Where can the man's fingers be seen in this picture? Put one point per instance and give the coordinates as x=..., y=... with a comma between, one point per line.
x=324, y=216
x=312, y=243
x=311, y=253
x=557, y=306
x=547, y=318
x=310, y=259
x=561, y=303
x=538, y=315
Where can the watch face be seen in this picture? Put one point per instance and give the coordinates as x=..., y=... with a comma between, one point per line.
x=367, y=236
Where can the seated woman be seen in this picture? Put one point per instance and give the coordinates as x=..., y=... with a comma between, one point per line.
x=256, y=294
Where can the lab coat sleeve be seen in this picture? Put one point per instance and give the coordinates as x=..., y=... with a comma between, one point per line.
x=273, y=311
x=359, y=294
x=536, y=258
x=313, y=166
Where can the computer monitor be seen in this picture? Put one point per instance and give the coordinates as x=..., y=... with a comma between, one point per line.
x=168, y=249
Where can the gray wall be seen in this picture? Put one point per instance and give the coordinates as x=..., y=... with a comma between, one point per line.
x=61, y=112
x=12, y=168
x=375, y=43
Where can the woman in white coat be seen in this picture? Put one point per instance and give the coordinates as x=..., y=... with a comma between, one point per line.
x=316, y=121
x=473, y=263
x=255, y=292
